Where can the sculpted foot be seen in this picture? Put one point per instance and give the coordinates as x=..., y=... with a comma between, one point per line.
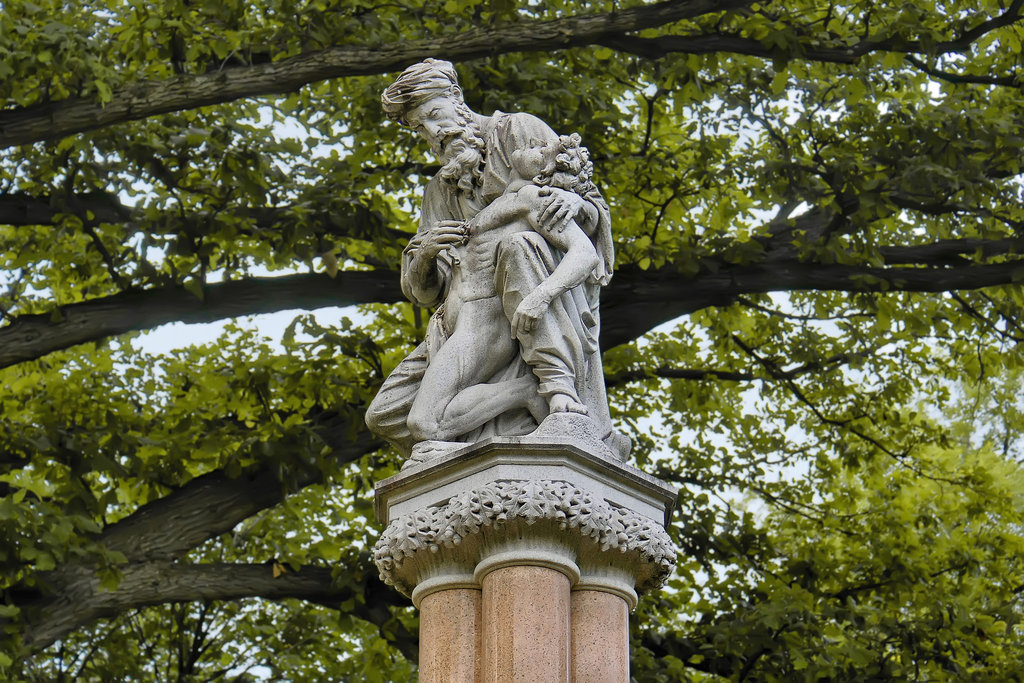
x=562, y=403
x=425, y=451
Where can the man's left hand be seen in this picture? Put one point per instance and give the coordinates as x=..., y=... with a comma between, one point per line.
x=561, y=208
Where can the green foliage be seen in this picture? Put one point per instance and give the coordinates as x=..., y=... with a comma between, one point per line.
x=847, y=445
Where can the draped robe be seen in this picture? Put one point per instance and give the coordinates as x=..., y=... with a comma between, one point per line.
x=562, y=351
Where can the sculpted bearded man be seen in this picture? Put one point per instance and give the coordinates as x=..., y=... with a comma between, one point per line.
x=478, y=260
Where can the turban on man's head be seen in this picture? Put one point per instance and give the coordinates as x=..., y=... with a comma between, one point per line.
x=417, y=84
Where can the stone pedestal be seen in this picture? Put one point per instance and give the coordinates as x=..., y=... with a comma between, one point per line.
x=525, y=556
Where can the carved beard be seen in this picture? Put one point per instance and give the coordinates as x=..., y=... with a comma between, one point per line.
x=461, y=153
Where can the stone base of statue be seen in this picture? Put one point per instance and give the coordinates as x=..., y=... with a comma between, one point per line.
x=524, y=556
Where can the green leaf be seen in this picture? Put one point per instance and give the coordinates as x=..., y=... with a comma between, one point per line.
x=194, y=286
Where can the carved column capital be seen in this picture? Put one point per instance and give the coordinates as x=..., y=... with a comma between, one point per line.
x=575, y=513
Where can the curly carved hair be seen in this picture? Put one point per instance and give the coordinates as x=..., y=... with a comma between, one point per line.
x=571, y=168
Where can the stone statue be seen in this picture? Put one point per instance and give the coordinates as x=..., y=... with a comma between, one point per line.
x=513, y=245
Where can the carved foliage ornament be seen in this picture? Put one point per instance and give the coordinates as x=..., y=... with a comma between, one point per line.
x=602, y=525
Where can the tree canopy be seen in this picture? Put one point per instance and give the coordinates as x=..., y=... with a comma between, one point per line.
x=813, y=329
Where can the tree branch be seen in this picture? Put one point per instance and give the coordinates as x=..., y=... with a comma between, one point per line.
x=158, y=533
x=1010, y=16
x=807, y=47
x=1011, y=81
x=666, y=372
x=772, y=368
x=212, y=504
x=354, y=220
x=54, y=120
x=24, y=209
x=81, y=599
x=951, y=252
x=639, y=300
x=33, y=336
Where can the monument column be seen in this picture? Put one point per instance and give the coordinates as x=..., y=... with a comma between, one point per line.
x=600, y=637
x=601, y=603
x=448, y=597
x=523, y=553
x=553, y=539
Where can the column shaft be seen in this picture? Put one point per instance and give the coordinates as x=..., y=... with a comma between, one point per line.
x=526, y=625
x=450, y=636
x=600, y=637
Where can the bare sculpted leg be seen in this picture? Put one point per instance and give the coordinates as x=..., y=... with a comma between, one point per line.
x=481, y=402
x=480, y=346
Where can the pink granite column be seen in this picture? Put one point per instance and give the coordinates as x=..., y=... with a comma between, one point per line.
x=600, y=637
x=450, y=636
x=526, y=625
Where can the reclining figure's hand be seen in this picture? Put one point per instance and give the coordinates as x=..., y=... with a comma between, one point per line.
x=529, y=311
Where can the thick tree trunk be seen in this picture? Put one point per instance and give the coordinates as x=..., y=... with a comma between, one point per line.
x=81, y=599
x=639, y=300
x=809, y=46
x=212, y=504
x=636, y=300
x=160, y=532
x=338, y=218
x=74, y=115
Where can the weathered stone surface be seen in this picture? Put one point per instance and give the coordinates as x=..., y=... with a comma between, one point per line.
x=476, y=517
x=520, y=458
x=529, y=523
x=513, y=247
